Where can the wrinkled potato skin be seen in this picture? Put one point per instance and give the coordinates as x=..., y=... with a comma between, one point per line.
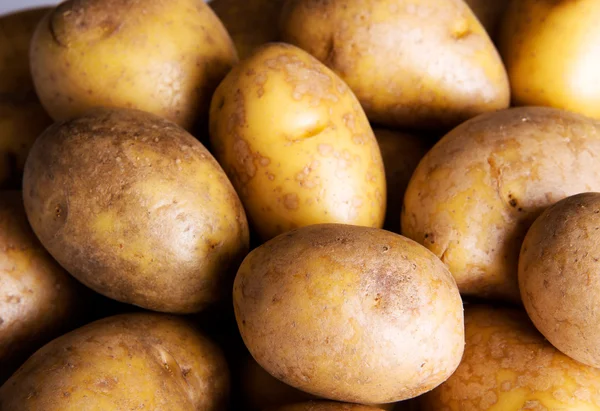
x=401, y=153
x=564, y=71
x=508, y=365
x=296, y=144
x=326, y=406
x=22, y=117
x=38, y=299
x=164, y=57
x=489, y=13
x=137, y=209
x=250, y=23
x=558, y=276
x=132, y=361
x=478, y=190
x=350, y=313
x=396, y=56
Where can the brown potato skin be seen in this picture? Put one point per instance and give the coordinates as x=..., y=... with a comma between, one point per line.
x=164, y=57
x=326, y=406
x=508, y=365
x=137, y=209
x=477, y=191
x=558, y=276
x=38, y=299
x=22, y=117
x=419, y=64
x=133, y=361
x=489, y=13
x=350, y=313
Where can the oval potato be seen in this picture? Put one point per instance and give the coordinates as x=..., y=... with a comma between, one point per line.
x=296, y=144
x=137, y=209
x=477, y=191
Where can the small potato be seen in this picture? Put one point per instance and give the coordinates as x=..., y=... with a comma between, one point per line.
x=164, y=57
x=477, y=191
x=559, y=276
x=38, y=299
x=509, y=366
x=137, y=209
x=22, y=117
x=489, y=13
x=250, y=23
x=144, y=362
x=423, y=64
x=401, y=154
x=350, y=313
x=296, y=144
x=326, y=406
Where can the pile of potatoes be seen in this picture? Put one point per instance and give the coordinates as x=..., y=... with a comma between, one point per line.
x=300, y=205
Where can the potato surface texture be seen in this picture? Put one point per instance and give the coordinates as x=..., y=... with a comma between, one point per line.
x=559, y=276
x=22, y=117
x=127, y=362
x=423, y=64
x=164, y=57
x=137, y=209
x=296, y=144
x=326, y=406
x=509, y=366
x=477, y=191
x=550, y=49
x=350, y=313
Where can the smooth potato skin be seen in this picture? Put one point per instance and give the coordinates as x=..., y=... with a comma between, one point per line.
x=326, y=406
x=489, y=13
x=132, y=361
x=422, y=64
x=508, y=365
x=296, y=144
x=350, y=313
x=477, y=191
x=558, y=276
x=22, y=117
x=137, y=209
x=164, y=57
x=564, y=70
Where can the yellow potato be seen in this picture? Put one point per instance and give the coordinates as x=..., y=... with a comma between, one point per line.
x=558, y=276
x=127, y=362
x=296, y=144
x=477, y=191
x=137, y=209
x=550, y=49
x=508, y=366
x=22, y=117
x=164, y=57
x=350, y=313
x=489, y=13
x=422, y=64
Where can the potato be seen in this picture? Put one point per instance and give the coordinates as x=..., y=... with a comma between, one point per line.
x=422, y=64
x=127, y=362
x=509, y=366
x=401, y=154
x=550, y=49
x=164, y=57
x=250, y=23
x=22, y=117
x=137, y=209
x=38, y=299
x=489, y=13
x=350, y=313
x=477, y=191
x=558, y=273
x=326, y=406
x=296, y=144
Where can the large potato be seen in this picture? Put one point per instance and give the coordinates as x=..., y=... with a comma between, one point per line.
x=22, y=117
x=413, y=63
x=38, y=299
x=475, y=194
x=350, y=313
x=137, y=209
x=164, y=57
x=550, y=49
x=508, y=366
x=296, y=144
x=558, y=276
x=489, y=13
x=128, y=362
